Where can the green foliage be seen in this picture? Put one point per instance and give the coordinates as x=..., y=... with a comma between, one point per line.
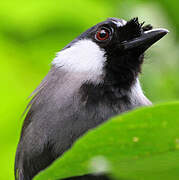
x=143, y=144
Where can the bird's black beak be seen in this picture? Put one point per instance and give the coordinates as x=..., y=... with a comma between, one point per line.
x=146, y=39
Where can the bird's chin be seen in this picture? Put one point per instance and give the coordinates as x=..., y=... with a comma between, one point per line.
x=147, y=39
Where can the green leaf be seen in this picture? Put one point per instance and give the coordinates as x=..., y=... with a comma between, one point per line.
x=142, y=144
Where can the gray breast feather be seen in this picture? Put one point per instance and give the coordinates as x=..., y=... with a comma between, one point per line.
x=58, y=116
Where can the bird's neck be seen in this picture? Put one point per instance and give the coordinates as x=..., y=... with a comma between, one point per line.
x=75, y=84
x=137, y=97
x=116, y=96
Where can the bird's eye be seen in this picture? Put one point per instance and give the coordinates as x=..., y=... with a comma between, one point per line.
x=102, y=34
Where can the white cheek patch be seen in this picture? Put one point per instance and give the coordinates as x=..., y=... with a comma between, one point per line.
x=84, y=56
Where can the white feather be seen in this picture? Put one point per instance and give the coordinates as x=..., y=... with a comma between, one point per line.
x=119, y=24
x=84, y=56
x=137, y=95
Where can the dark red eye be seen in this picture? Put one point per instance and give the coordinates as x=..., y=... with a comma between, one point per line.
x=102, y=34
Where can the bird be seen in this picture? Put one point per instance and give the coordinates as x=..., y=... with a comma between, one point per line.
x=93, y=78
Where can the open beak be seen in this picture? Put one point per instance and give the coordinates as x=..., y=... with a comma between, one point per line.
x=147, y=39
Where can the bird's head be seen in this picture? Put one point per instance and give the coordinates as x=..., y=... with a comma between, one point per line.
x=110, y=52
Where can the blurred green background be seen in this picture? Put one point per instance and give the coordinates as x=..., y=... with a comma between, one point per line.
x=31, y=32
